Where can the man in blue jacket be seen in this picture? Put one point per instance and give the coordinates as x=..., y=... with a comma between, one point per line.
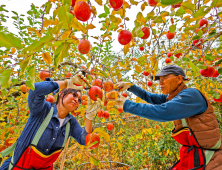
x=195, y=124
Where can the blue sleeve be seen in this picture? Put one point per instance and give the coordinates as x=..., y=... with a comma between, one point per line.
x=5, y=164
x=77, y=132
x=36, y=98
x=148, y=97
x=187, y=103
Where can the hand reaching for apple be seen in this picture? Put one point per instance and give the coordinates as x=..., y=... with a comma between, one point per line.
x=76, y=82
x=122, y=86
x=119, y=102
x=92, y=108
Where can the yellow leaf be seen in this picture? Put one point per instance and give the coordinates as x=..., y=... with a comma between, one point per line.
x=66, y=34
x=138, y=68
x=82, y=28
x=100, y=2
x=38, y=34
x=13, y=50
x=113, y=19
x=104, y=135
x=93, y=9
x=98, y=130
x=164, y=19
x=126, y=48
x=74, y=23
x=5, y=56
x=164, y=14
x=103, y=120
x=32, y=29
x=206, y=1
x=111, y=70
x=94, y=161
x=143, y=7
x=47, y=58
x=90, y=26
x=119, y=146
x=46, y=23
x=138, y=100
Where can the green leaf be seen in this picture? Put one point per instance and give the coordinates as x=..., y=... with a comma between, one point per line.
x=200, y=33
x=180, y=12
x=200, y=66
x=194, y=68
x=25, y=63
x=216, y=95
x=68, y=2
x=200, y=12
x=154, y=31
x=38, y=44
x=60, y=53
x=140, y=34
x=172, y=28
x=5, y=77
x=170, y=2
x=220, y=70
x=48, y=7
x=212, y=34
x=106, y=9
x=209, y=57
x=103, y=15
x=9, y=40
x=31, y=73
x=158, y=19
x=65, y=16
x=188, y=5
x=196, y=37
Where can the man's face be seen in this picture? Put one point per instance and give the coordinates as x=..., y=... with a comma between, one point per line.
x=170, y=83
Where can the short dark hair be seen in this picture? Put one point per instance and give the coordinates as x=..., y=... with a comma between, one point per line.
x=65, y=92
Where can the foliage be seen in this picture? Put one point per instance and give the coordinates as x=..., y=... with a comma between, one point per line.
x=49, y=42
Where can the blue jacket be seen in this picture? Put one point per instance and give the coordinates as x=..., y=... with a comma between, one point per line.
x=53, y=137
x=187, y=103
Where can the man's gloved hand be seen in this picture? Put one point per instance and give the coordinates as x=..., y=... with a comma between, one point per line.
x=122, y=86
x=76, y=82
x=120, y=102
x=93, y=108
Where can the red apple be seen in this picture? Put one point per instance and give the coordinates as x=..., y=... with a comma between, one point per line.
x=106, y=114
x=152, y=3
x=97, y=82
x=116, y=4
x=73, y=2
x=84, y=46
x=120, y=110
x=109, y=126
x=178, y=55
x=146, y=73
x=141, y=48
x=149, y=83
x=50, y=99
x=91, y=138
x=95, y=92
x=108, y=86
x=68, y=75
x=100, y=113
x=75, y=113
x=170, y=35
x=82, y=11
x=198, y=43
x=124, y=94
x=146, y=32
x=124, y=37
x=167, y=60
x=44, y=74
x=203, y=22
x=216, y=74
x=169, y=54
x=208, y=72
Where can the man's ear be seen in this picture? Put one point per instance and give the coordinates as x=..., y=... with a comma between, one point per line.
x=180, y=79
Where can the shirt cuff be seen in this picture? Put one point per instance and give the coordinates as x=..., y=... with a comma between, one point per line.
x=55, y=84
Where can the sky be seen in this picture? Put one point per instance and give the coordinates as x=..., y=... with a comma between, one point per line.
x=22, y=6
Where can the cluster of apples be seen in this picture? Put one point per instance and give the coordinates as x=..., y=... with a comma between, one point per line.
x=209, y=72
x=125, y=36
x=168, y=60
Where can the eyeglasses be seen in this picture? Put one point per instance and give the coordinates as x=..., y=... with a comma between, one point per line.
x=162, y=79
x=75, y=95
